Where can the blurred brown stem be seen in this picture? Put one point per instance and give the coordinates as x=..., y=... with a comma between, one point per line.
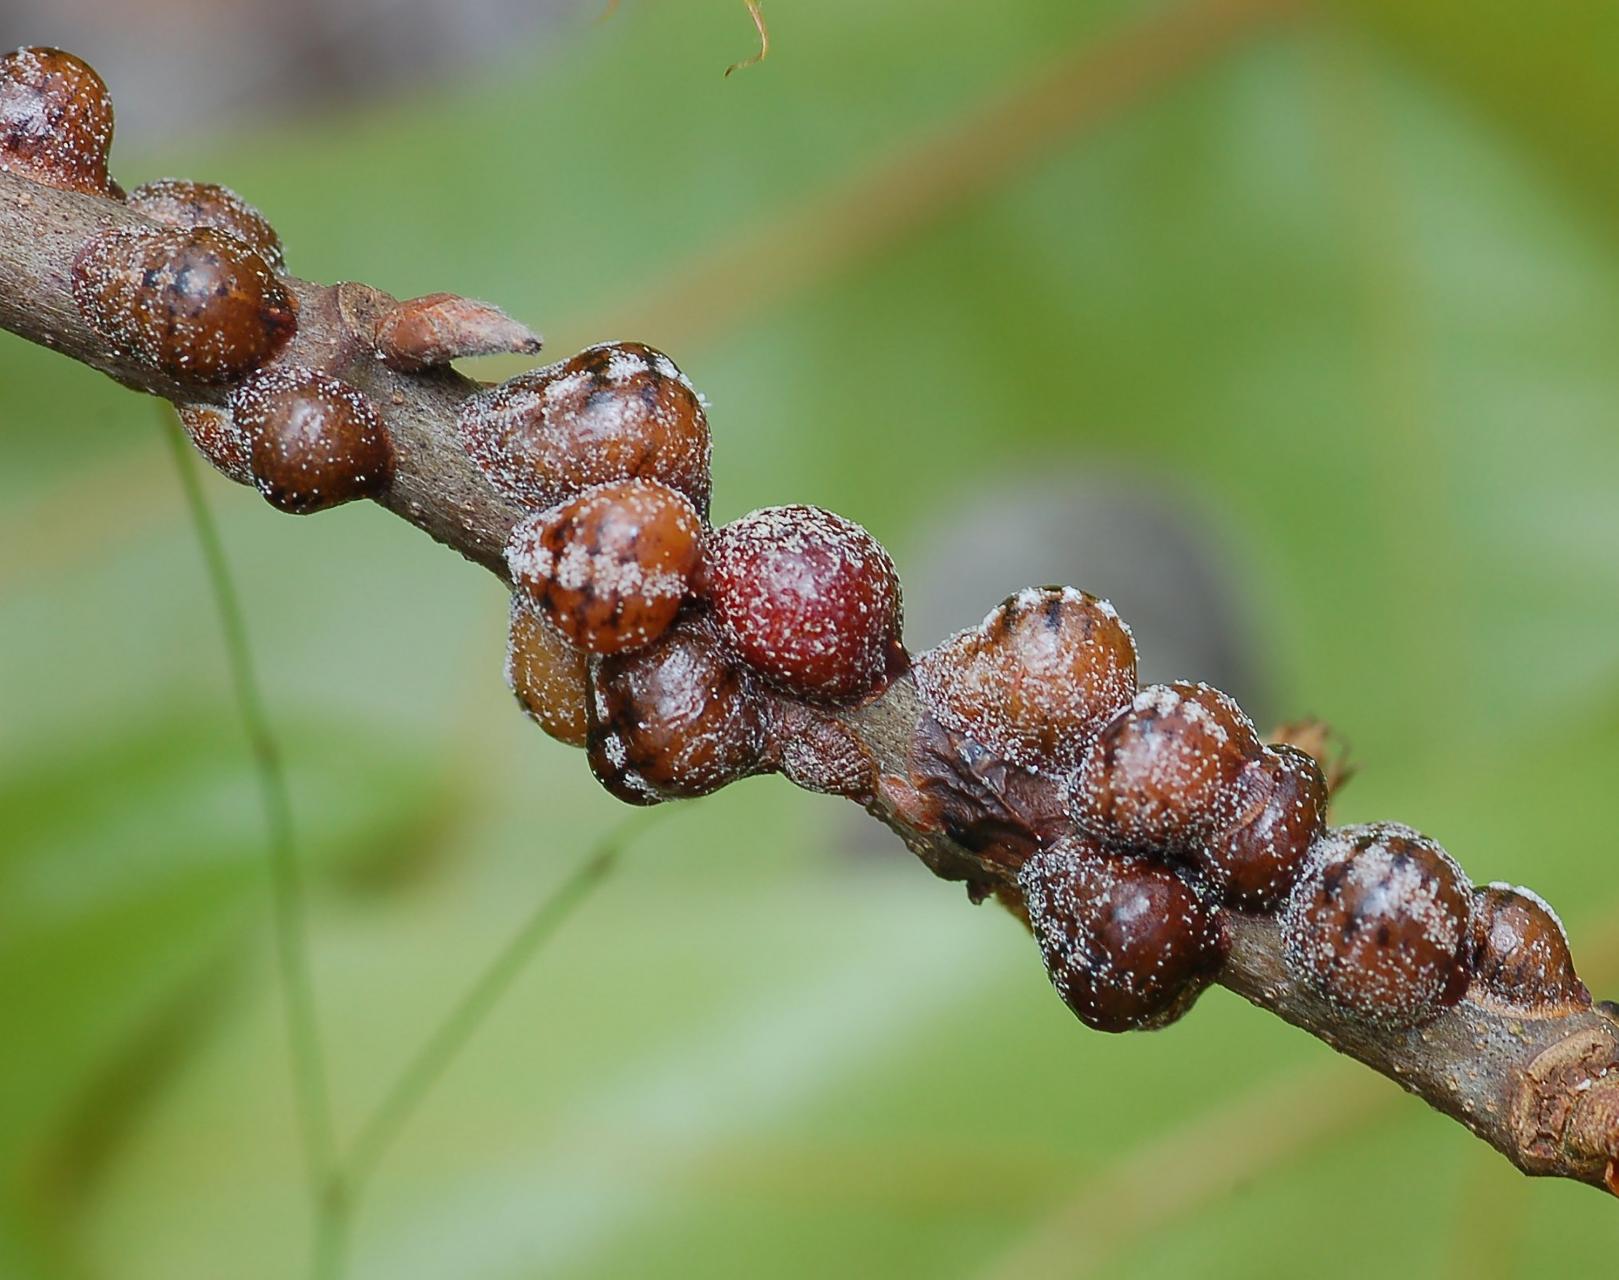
x=1542, y=1090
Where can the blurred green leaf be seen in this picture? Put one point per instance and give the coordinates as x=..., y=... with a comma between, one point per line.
x=131, y=874
x=1545, y=76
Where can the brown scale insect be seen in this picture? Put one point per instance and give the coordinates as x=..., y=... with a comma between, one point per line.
x=1167, y=771
x=195, y=303
x=681, y=718
x=313, y=440
x=56, y=120
x=1519, y=953
x=808, y=599
x=1256, y=861
x=1378, y=924
x=214, y=435
x=180, y=202
x=616, y=411
x=610, y=567
x=547, y=674
x=1036, y=679
x=1128, y=944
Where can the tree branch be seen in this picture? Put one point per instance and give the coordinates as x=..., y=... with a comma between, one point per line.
x=1542, y=1088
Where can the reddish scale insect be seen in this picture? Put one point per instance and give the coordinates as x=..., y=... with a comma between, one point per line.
x=1036, y=679
x=313, y=440
x=196, y=303
x=680, y=718
x=806, y=598
x=609, y=568
x=55, y=120
x=615, y=411
x=1127, y=943
x=1519, y=953
x=1257, y=861
x=547, y=674
x=1378, y=924
x=182, y=203
x=1168, y=771
x=214, y=435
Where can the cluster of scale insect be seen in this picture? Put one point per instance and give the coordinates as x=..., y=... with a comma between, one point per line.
x=643, y=635
x=663, y=637
x=56, y=121
x=1171, y=792
x=195, y=293
x=687, y=629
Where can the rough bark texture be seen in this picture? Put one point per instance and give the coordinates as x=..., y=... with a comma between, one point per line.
x=1543, y=1090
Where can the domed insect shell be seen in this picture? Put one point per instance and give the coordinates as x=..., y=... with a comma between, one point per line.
x=1168, y=771
x=808, y=599
x=609, y=568
x=56, y=121
x=1256, y=860
x=213, y=433
x=314, y=441
x=179, y=202
x=548, y=675
x=679, y=718
x=1128, y=943
x=1519, y=953
x=194, y=303
x=1035, y=681
x=1378, y=925
x=616, y=411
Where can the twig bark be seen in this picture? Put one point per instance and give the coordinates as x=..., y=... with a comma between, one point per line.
x=1543, y=1090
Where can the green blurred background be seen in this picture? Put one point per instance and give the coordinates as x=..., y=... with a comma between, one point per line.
x=1292, y=327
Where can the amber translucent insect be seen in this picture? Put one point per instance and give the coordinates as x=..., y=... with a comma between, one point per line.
x=214, y=435
x=194, y=303
x=313, y=440
x=547, y=674
x=616, y=411
x=1037, y=678
x=610, y=567
x=56, y=120
x=1519, y=952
